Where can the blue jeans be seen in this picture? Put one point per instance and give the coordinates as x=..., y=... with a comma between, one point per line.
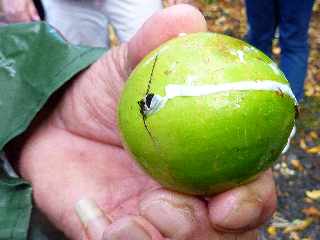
x=292, y=17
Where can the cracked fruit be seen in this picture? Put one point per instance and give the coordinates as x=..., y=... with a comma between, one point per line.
x=205, y=112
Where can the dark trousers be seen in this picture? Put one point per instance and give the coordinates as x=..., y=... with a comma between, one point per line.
x=292, y=17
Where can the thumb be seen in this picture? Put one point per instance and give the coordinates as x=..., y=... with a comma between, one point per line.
x=162, y=26
x=33, y=13
x=92, y=218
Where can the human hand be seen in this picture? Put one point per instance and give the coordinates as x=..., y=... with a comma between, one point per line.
x=19, y=11
x=73, y=151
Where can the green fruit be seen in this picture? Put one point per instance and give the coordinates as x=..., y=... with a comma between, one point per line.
x=206, y=112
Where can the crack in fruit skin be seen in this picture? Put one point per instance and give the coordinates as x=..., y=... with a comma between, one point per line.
x=151, y=75
x=153, y=103
x=145, y=103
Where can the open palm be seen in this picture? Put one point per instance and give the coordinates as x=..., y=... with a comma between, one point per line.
x=73, y=151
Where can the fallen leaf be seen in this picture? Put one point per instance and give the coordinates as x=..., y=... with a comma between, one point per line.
x=113, y=38
x=314, y=150
x=297, y=165
x=294, y=236
x=308, y=200
x=272, y=231
x=311, y=212
x=314, y=194
x=313, y=135
x=303, y=144
x=317, y=76
x=298, y=225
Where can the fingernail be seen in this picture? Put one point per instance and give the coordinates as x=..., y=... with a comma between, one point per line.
x=36, y=18
x=171, y=219
x=222, y=209
x=127, y=230
x=87, y=210
x=235, y=212
x=92, y=218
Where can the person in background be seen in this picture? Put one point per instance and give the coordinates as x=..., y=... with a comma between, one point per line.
x=292, y=18
x=85, y=22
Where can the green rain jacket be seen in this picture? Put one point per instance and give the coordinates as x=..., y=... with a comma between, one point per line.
x=35, y=61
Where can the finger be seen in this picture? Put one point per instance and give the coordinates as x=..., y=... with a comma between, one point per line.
x=162, y=26
x=133, y=228
x=176, y=216
x=33, y=13
x=16, y=17
x=98, y=226
x=92, y=218
x=250, y=235
x=245, y=207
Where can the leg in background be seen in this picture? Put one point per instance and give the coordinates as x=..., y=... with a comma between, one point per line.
x=262, y=22
x=294, y=18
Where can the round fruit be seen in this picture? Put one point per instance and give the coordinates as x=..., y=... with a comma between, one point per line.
x=206, y=112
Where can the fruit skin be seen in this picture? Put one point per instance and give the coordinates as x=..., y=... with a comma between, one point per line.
x=205, y=144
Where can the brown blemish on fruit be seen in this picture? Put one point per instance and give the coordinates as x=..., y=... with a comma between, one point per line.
x=279, y=92
x=207, y=60
x=167, y=72
x=260, y=58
